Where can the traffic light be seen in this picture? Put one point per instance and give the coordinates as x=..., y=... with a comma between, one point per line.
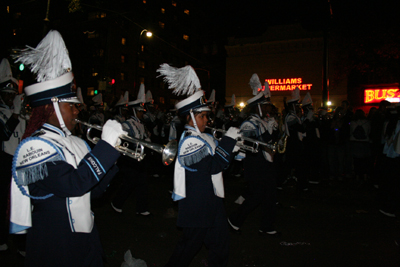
x=96, y=92
x=21, y=67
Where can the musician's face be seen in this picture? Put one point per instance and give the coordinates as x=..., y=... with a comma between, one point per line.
x=201, y=120
x=69, y=113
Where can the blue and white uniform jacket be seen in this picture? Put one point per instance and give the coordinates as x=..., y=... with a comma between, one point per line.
x=193, y=148
x=135, y=128
x=59, y=173
x=262, y=130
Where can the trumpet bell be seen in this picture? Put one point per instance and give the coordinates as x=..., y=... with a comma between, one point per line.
x=169, y=152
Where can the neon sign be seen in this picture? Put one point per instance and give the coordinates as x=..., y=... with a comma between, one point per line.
x=377, y=95
x=288, y=84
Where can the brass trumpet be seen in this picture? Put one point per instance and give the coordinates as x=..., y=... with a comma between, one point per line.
x=167, y=151
x=256, y=143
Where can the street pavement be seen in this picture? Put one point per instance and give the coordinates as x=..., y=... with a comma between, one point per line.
x=332, y=224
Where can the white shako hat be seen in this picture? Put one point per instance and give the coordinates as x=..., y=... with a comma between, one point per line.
x=149, y=98
x=98, y=100
x=8, y=84
x=138, y=104
x=185, y=81
x=307, y=101
x=123, y=100
x=233, y=102
x=211, y=99
x=256, y=88
x=295, y=96
x=52, y=66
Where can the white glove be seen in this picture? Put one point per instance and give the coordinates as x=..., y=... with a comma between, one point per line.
x=233, y=133
x=237, y=148
x=17, y=103
x=111, y=132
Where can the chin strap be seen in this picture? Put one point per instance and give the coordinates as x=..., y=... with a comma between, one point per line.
x=59, y=116
x=194, y=122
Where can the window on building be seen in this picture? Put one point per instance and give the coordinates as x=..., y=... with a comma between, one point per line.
x=122, y=58
x=142, y=64
x=92, y=35
x=186, y=11
x=173, y=3
x=186, y=37
x=162, y=10
x=161, y=24
x=144, y=2
x=90, y=91
x=122, y=76
x=123, y=41
x=94, y=74
x=141, y=48
x=161, y=100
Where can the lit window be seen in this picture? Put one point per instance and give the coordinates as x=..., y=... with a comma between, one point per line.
x=161, y=24
x=142, y=65
x=186, y=11
x=123, y=41
x=186, y=37
x=101, y=15
x=122, y=59
x=163, y=10
x=142, y=48
x=173, y=3
x=144, y=2
x=90, y=91
x=14, y=32
x=122, y=76
x=94, y=74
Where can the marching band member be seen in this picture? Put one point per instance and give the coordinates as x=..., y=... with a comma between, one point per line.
x=121, y=107
x=259, y=170
x=55, y=174
x=198, y=183
x=312, y=144
x=12, y=127
x=133, y=172
x=97, y=116
x=295, y=130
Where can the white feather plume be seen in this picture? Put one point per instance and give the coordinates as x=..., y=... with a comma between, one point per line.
x=182, y=80
x=49, y=60
x=255, y=83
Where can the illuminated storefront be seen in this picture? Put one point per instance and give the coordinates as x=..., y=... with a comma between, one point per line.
x=287, y=57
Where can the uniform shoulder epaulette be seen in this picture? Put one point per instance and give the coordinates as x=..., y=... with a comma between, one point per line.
x=192, y=149
x=29, y=163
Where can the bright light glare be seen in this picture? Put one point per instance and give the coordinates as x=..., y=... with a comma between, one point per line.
x=149, y=34
x=329, y=103
x=241, y=104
